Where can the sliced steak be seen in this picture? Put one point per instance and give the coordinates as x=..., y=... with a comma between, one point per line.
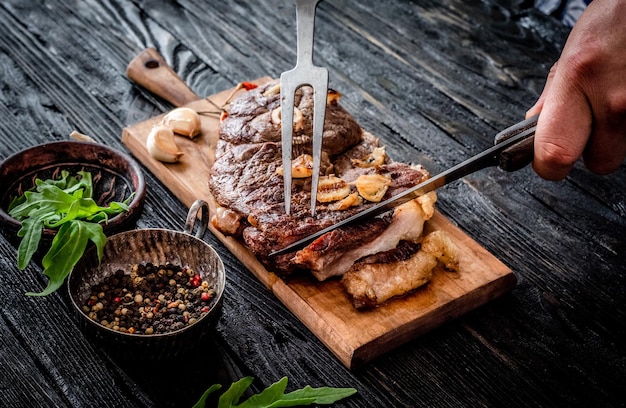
x=246, y=181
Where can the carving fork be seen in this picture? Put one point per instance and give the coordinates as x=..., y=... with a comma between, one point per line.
x=304, y=73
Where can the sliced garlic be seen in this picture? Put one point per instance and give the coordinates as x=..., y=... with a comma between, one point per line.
x=332, y=188
x=373, y=187
x=376, y=158
x=184, y=121
x=161, y=144
x=352, y=200
x=301, y=167
x=298, y=118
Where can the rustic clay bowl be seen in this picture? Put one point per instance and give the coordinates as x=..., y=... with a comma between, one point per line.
x=115, y=177
x=158, y=246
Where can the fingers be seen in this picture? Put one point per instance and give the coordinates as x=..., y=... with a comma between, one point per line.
x=601, y=156
x=563, y=128
x=606, y=149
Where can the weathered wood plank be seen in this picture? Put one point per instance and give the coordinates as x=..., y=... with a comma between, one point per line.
x=434, y=80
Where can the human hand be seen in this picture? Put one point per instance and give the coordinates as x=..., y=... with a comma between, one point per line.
x=583, y=104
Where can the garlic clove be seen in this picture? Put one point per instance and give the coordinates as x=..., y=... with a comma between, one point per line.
x=81, y=137
x=373, y=187
x=161, y=144
x=184, y=121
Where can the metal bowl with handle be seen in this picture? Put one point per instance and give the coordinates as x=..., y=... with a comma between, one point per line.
x=156, y=246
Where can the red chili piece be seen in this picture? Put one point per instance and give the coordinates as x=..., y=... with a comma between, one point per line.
x=248, y=85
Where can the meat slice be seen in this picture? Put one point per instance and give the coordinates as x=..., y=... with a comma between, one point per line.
x=370, y=282
x=334, y=253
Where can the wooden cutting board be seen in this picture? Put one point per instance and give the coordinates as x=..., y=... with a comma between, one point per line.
x=354, y=337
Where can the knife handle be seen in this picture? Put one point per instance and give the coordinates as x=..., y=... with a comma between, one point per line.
x=520, y=154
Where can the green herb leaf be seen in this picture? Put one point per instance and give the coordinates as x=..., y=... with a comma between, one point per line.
x=231, y=397
x=322, y=395
x=31, y=235
x=202, y=401
x=274, y=396
x=67, y=248
x=271, y=394
x=64, y=204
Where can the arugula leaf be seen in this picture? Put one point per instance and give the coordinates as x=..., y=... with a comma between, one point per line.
x=274, y=396
x=30, y=232
x=272, y=393
x=231, y=397
x=65, y=204
x=322, y=395
x=67, y=248
x=202, y=401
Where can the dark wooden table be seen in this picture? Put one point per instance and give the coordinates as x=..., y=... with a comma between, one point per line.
x=435, y=80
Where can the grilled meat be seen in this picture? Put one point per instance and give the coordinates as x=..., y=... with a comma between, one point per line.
x=246, y=176
x=384, y=257
x=378, y=278
x=334, y=253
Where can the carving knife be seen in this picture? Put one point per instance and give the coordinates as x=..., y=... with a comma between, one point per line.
x=513, y=149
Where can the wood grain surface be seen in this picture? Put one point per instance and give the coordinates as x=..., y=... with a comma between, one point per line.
x=322, y=306
x=435, y=79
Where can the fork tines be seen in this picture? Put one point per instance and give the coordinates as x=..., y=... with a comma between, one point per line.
x=304, y=73
x=318, y=80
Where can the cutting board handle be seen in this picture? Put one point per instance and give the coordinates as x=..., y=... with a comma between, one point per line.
x=150, y=70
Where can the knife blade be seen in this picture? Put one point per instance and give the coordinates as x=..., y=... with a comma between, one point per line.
x=512, y=151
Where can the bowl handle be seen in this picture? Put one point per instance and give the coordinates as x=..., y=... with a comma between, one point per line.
x=192, y=216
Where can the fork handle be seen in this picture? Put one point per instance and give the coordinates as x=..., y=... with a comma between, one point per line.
x=305, y=20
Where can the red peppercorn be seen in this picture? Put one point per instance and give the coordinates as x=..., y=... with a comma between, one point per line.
x=117, y=299
x=205, y=297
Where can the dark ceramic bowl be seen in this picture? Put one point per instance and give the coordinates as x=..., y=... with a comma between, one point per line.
x=159, y=247
x=115, y=177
